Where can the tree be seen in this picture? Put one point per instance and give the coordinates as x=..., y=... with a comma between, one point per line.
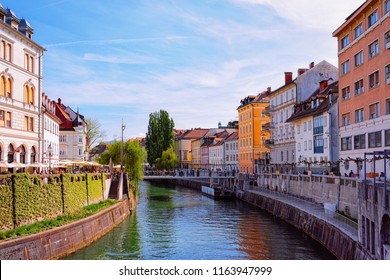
x=133, y=157
x=94, y=132
x=160, y=135
x=168, y=160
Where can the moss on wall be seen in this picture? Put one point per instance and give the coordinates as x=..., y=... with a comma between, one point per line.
x=25, y=199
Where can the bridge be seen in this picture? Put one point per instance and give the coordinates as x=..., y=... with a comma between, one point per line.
x=172, y=177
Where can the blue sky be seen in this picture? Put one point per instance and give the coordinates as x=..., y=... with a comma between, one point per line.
x=195, y=59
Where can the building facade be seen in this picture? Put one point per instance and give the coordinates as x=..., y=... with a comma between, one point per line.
x=253, y=131
x=231, y=152
x=51, y=132
x=364, y=107
x=315, y=122
x=20, y=89
x=73, y=133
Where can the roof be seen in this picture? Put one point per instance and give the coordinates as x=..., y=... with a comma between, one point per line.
x=196, y=133
x=324, y=106
x=233, y=136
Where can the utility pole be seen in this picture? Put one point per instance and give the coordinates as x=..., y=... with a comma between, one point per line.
x=122, y=128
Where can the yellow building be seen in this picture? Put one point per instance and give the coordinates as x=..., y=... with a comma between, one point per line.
x=253, y=132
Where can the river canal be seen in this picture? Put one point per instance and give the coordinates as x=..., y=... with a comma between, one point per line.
x=173, y=222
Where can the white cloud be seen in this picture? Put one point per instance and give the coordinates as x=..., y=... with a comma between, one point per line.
x=326, y=14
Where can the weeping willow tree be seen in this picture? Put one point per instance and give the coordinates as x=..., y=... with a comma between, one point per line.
x=133, y=157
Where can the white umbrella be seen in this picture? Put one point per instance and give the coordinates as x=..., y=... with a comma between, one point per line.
x=17, y=165
x=4, y=164
x=38, y=164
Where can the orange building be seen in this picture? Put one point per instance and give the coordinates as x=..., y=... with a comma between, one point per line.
x=364, y=83
x=253, y=130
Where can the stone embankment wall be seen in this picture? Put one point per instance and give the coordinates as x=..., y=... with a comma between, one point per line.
x=61, y=241
x=337, y=242
x=342, y=192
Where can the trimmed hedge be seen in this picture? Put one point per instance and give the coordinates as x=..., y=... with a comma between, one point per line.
x=25, y=199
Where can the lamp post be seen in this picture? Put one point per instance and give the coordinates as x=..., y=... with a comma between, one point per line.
x=50, y=154
x=122, y=129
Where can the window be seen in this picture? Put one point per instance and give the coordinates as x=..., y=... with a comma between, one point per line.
x=8, y=120
x=374, y=110
x=310, y=144
x=388, y=106
x=372, y=19
x=345, y=119
x=344, y=42
x=387, y=137
x=359, y=115
x=299, y=147
x=309, y=125
x=375, y=139
x=346, y=143
x=359, y=59
x=387, y=74
x=318, y=125
x=345, y=93
x=387, y=40
x=304, y=126
x=2, y=118
x=359, y=87
x=305, y=145
x=373, y=49
x=373, y=80
x=298, y=128
x=345, y=67
x=359, y=141
x=6, y=51
x=358, y=30
x=318, y=144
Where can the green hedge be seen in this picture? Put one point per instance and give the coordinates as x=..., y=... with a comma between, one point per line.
x=25, y=199
x=6, y=216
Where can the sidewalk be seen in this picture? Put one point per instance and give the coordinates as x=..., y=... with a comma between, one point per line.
x=342, y=223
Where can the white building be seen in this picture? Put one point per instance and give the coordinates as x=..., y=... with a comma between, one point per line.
x=283, y=141
x=315, y=123
x=51, y=132
x=231, y=152
x=216, y=155
x=73, y=134
x=20, y=89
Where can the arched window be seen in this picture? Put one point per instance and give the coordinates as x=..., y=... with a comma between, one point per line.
x=26, y=94
x=3, y=88
x=33, y=155
x=31, y=96
x=22, y=154
x=26, y=62
x=3, y=47
x=9, y=88
x=11, y=153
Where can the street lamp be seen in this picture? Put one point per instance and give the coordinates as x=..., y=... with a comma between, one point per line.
x=123, y=128
x=50, y=154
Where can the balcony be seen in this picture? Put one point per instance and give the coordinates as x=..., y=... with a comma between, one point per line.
x=266, y=127
x=318, y=130
x=319, y=150
x=269, y=142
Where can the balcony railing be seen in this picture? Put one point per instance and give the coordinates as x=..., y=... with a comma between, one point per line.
x=16, y=103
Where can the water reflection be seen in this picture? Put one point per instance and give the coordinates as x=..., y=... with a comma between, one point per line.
x=177, y=223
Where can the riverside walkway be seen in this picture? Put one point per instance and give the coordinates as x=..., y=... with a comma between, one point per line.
x=344, y=224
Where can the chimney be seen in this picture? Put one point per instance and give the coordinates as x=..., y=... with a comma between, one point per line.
x=268, y=89
x=59, y=101
x=311, y=65
x=301, y=71
x=323, y=85
x=287, y=77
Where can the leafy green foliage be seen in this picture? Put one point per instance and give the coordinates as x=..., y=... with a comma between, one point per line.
x=133, y=157
x=168, y=160
x=160, y=135
x=56, y=222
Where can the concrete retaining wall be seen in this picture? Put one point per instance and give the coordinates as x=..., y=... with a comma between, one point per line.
x=61, y=241
x=338, y=243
